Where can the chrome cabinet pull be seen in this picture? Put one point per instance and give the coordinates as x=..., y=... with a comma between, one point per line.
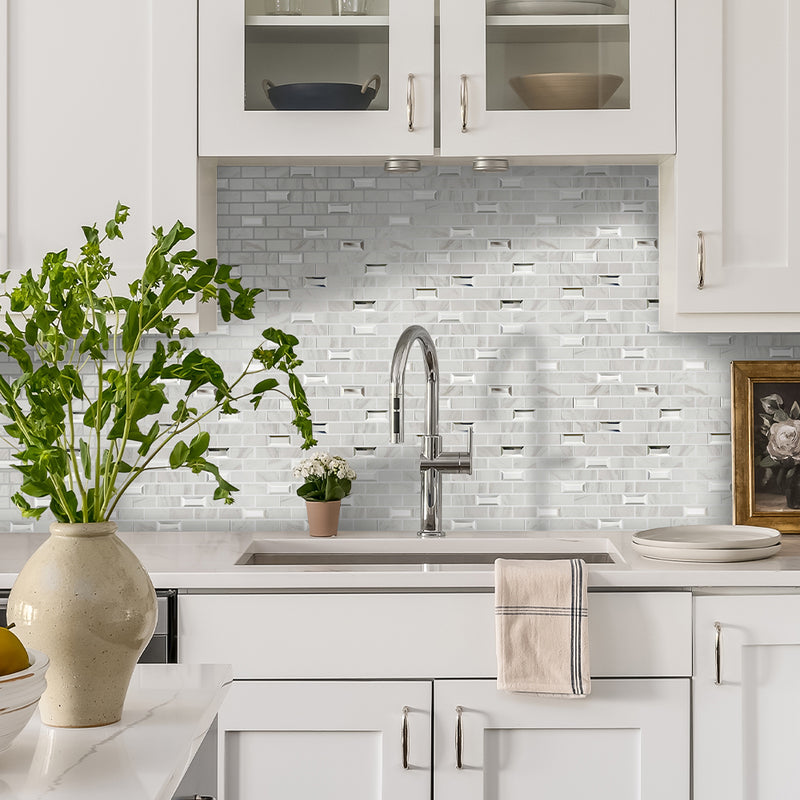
x=717, y=654
x=701, y=260
x=459, y=738
x=410, y=102
x=196, y=797
x=464, y=101
x=404, y=736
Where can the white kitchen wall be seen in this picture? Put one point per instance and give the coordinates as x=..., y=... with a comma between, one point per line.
x=540, y=288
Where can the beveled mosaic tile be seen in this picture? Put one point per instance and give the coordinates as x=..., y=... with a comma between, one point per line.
x=540, y=288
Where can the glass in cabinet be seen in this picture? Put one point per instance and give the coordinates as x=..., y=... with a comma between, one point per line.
x=557, y=77
x=321, y=82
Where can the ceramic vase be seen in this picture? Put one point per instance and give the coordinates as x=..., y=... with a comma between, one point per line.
x=793, y=488
x=84, y=599
x=323, y=517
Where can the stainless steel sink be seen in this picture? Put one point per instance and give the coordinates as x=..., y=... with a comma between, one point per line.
x=456, y=553
x=304, y=559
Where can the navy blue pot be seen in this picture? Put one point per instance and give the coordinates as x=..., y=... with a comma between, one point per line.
x=321, y=96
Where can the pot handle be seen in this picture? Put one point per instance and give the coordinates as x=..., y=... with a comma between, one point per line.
x=377, y=79
x=266, y=85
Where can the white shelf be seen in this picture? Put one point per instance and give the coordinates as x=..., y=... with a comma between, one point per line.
x=571, y=20
x=317, y=30
x=316, y=21
x=554, y=29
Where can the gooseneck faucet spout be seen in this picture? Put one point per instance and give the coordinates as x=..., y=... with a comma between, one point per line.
x=433, y=461
x=414, y=333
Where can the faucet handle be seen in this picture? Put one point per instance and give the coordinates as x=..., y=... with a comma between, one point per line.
x=451, y=461
x=469, y=451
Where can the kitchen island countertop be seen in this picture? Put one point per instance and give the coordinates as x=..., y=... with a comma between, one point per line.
x=208, y=561
x=168, y=710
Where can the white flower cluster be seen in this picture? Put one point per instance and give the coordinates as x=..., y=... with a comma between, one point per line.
x=320, y=465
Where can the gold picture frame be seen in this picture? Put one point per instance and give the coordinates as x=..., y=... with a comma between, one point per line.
x=765, y=437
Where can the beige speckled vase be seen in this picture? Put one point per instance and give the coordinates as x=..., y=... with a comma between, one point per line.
x=84, y=599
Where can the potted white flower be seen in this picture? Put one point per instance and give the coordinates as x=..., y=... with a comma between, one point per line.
x=327, y=479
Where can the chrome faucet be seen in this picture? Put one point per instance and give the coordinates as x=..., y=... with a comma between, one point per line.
x=433, y=461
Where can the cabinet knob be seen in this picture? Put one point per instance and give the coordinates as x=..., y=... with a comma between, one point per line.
x=195, y=797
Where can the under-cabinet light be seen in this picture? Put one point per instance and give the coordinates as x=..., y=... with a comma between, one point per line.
x=402, y=165
x=490, y=164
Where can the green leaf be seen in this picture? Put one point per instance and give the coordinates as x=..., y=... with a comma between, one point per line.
x=131, y=327
x=26, y=508
x=72, y=319
x=31, y=332
x=780, y=416
x=178, y=455
x=265, y=385
x=199, y=445
x=224, y=304
x=86, y=459
x=310, y=492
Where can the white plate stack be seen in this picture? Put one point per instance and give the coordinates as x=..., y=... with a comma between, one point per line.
x=550, y=6
x=708, y=543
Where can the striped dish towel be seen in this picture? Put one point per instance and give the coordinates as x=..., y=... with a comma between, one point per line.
x=542, y=627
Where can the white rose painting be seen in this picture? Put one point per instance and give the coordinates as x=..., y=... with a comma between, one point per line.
x=776, y=439
x=765, y=439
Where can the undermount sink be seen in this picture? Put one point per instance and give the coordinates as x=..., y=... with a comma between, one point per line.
x=457, y=553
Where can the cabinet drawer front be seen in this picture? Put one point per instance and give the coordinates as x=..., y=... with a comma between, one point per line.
x=636, y=634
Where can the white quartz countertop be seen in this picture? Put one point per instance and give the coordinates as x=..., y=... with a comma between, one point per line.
x=167, y=712
x=208, y=561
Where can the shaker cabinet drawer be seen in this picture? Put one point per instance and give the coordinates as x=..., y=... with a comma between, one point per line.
x=417, y=635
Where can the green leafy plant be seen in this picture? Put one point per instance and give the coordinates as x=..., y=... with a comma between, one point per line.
x=325, y=478
x=89, y=412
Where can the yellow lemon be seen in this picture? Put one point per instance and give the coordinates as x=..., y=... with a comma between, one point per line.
x=13, y=656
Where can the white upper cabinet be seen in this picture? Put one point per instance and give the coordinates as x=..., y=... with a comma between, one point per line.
x=516, y=78
x=557, y=84
x=101, y=107
x=727, y=199
x=243, y=50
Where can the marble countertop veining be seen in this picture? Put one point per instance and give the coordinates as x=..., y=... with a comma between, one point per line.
x=208, y=561
x=167, y=712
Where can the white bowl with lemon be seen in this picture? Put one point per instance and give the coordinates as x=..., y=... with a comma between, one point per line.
x=21, y=685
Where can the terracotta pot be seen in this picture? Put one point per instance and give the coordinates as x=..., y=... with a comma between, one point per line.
x=84, y=600
x=323, y=518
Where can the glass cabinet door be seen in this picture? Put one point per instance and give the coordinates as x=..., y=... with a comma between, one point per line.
x=315, y=77
x=557, y=77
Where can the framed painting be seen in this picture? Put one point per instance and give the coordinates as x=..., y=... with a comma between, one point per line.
x=765, y=418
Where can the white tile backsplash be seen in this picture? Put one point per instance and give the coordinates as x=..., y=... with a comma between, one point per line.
x=540, y=289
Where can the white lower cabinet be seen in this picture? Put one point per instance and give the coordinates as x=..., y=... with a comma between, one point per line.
x=746, y=697
x=338, y=740
x=328, y=685
x=628, y=740
x=362, y=740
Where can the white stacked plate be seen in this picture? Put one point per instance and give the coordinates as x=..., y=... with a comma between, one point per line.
x=708, y=543
x=550, y=6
